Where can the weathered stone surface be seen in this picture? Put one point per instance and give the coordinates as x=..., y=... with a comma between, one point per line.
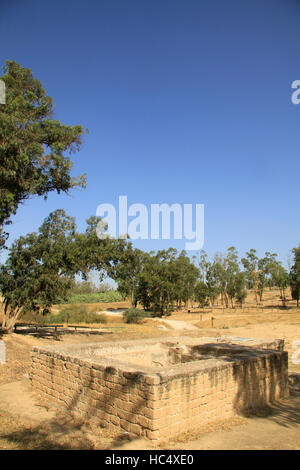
x=157, y=389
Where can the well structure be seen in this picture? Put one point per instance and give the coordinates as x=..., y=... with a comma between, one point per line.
x=159, y=388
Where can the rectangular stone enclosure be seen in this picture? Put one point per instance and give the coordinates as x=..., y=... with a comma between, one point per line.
x=159, y=388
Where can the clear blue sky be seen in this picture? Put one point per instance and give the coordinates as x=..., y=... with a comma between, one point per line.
x=186, y=101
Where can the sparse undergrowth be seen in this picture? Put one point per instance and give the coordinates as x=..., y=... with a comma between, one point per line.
x=70, y=314
x=135, y=315
x=94, y=297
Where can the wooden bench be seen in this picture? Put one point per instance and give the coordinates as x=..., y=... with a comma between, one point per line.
x=202, y=311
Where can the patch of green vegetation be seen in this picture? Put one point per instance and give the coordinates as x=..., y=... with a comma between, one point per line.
x=72, y=314
x=135, y=315
x=94, y=297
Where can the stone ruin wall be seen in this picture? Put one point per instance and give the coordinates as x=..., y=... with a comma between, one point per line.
x=159, y=404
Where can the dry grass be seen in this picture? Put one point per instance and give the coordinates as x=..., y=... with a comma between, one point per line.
x=94, y=306
x=227, y=321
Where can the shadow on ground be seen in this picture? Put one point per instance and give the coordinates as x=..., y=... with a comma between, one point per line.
x=53, y=435
x=48, y=333
x=287, y=412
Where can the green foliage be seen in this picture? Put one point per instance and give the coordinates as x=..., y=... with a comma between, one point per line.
x=258, y=271
x=39, y=269
x=294, y=276
x=95, y=254
x=33, y=146
x=201, y=293
x=69, y=315
x=88, y=287
x=162, y=281
x=240, y=288
x=250, y=266
x=135, y=315
x=222, y=277
x=204, y=265
x=96, y=297
x=126, y=272
x=79, y=314
x=185, y=275
x=231, y=270
x=213, y=281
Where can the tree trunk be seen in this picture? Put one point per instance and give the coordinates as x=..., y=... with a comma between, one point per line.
x=283, y=298
x=132, y=294
x=8, y=323
x=7, y=331
x=225, y=298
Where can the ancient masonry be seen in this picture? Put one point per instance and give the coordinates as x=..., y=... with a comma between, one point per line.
x=160, y=388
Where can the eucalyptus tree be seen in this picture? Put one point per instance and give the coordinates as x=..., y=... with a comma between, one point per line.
x=166, y=278
x=185, y=275
x=231, y=267
x=258, y=271
x=154, y=288
x=294, y=276
x=264, y=272
x=204, y=265
x=240, y=288
x=126, y=272
x=213, y=281
x=250, y=267
x=39, y=269
x=201, y=294
x=97, y=253
x=160, y=278
x=34, y=149
x=219, y=264
x=280, y=278
x=225, y=268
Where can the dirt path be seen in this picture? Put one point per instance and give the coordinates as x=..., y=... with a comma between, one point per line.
x=28, y=423
x=179, y=325
x=117, y=312
x=17, y=399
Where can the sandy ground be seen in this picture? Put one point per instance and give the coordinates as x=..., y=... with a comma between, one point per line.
x=27, y=422
x=179, y=324
x=278, y=431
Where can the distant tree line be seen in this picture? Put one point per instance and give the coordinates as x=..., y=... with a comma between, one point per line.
x=167, y=279
x=41, y=269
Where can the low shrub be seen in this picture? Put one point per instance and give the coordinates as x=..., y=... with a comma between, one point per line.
x=134, y=315
x=72, y=314
x=80, y=314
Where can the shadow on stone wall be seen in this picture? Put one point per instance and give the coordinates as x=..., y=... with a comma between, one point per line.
x=252, y=398
x=69, y=431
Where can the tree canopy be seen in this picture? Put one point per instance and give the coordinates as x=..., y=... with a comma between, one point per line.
x=34, y=148
x=41, y=267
